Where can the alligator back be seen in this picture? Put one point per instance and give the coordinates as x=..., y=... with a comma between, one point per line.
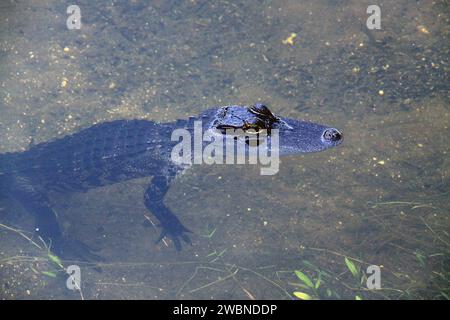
x=100, y=150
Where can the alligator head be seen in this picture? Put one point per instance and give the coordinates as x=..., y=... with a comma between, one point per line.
x=295, y=136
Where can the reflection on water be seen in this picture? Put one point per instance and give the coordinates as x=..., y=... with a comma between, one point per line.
x=380, y=198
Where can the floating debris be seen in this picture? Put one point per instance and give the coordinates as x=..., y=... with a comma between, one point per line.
x=290, y=40
x=64, y=83
x=423, y=29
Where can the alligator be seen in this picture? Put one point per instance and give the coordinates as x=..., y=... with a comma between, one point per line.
x=120, y=150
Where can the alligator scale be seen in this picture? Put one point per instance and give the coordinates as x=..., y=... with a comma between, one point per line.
x=120, y=150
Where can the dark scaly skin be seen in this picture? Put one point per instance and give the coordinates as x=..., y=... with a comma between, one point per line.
x=121, y=150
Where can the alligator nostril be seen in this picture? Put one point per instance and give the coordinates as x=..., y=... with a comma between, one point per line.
x=332, y=135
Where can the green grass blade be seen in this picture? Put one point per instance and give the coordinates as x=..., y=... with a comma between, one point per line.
x=56, y=260
x=302, y=295
x=319, y=279
x=49, y=274
x=351, y=266
x=304, y=278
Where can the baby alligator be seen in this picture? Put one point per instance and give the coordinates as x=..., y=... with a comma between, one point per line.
x=121, y=150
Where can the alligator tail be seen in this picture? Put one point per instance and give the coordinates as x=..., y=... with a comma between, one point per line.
x=6, y=164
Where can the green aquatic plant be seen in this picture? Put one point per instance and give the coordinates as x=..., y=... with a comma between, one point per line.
x=302, y=295
x=314, y=287
x=58, y=266
x=305, y=279
x=352, y=268
x=49, y=274
x=307, y=284
x=316, y=283
x=420, y=257
x=55, y=259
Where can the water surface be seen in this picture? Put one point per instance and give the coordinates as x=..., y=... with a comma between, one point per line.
x=379, y=199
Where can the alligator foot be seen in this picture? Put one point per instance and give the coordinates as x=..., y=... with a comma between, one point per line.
x=171, y=225
x=175, y=232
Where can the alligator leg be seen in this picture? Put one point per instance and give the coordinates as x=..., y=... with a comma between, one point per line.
x=171, y=226
x=35, y=200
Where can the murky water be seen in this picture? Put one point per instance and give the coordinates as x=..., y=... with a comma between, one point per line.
x=379, y=199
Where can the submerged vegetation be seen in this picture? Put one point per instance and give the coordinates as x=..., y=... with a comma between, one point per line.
x=311, y=231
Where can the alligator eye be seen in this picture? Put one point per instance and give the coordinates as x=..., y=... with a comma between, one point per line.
x=253, y=129
x=332, y=135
